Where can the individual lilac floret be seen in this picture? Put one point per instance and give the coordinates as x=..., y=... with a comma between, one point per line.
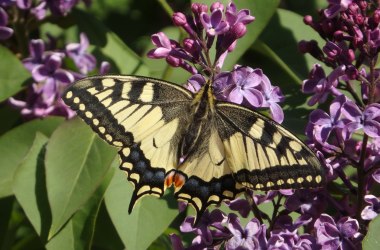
x=368, y=120
x=214, y=24
x=320, y=85
x=245, y=82
x=335, y=7
x=331, y=235
x=233, y=16
x=37, y=55
x=373, y=209
x=78, y=52
x=195, y=82
x=306, y=202
x=272, y=95
x=322, y=125
x=250, y=237
x=5, y=32
x=51, y=73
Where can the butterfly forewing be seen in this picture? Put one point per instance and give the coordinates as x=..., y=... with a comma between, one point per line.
x=144, y=117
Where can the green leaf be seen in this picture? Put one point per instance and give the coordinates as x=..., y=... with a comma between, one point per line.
x=15, y=145
x=148, y=220
x=29, y=187
x=76, y=163
x=105, y=235
x=110, y=46
x=79, y=231
x=13, y=74
x=372, y=240
x=290, y=27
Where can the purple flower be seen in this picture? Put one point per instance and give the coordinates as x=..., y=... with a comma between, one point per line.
x=306, y=202
x=5, y=32
x=369, y=119
x=244, y=85
x=288, y=240
x=371, y=211
x=335, y=7
x=322, y=124
x=61, y=8
x=203, y=228
x=36, y=50
x=338, y=235
x=272, y=95
x=50, y=72
x=195, y=82
x=77, y=51
x=242, y=206
x=320, y=85
x=41, y=102
x=376, y=174
x=24, y=4
x=214, y=24
x=250, y=237
x=104, y=68
x=163, y=44
x=233, y=16
x=176, y=242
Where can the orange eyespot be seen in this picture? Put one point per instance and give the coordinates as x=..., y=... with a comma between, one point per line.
x=169, y=179
x=174, y=178
x=179, y=180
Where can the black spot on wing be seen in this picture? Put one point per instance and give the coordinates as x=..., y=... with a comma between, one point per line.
x=146, y=179
x=117, y=90
x=97, y=83
x=197, y=189
x=136, y=90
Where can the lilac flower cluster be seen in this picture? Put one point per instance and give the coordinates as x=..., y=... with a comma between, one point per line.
x=347, y=136
x=40, y=9
x=222, y=25
x=48, y=65
x=50, y=77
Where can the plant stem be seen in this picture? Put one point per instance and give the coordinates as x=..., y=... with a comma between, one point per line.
x=166, y=7
x=361, y=167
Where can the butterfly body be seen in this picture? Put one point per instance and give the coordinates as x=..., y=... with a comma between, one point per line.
x=207, y=149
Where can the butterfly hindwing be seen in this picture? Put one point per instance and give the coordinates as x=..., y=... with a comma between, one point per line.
x=209, y=178
x=144, y=117
x=262, y=154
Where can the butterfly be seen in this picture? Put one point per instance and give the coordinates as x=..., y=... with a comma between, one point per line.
x=209, y=150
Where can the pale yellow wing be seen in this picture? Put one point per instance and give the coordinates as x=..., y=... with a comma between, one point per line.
x=142, y=116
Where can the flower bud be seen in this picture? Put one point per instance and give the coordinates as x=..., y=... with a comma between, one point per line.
x=179, y=19
x=308, y=20
x=173, y=61
x=238, y=30
x=352, y=72
x=198, y=8
x=216, y=5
